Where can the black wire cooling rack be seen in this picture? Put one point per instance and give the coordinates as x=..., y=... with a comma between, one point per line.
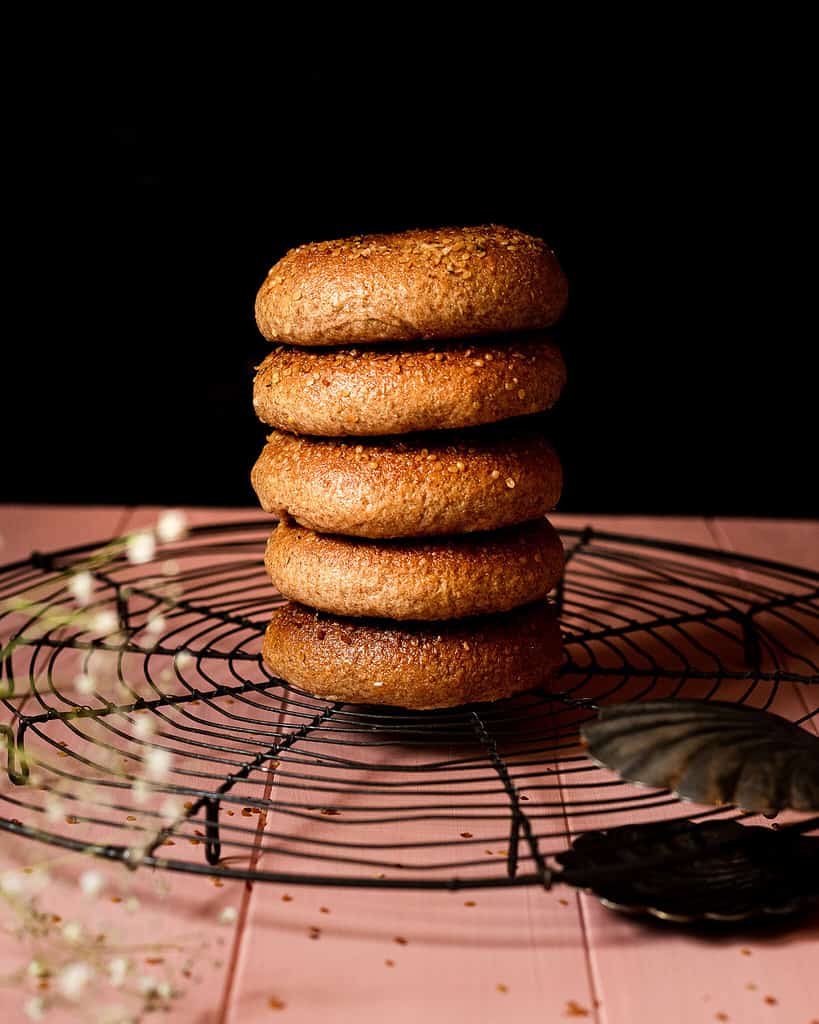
x=145, y=728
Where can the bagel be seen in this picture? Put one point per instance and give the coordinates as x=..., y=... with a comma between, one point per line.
x=413, y=665
x=447, y=578
x=384, y=390
x=422, y=284
x=415, y=486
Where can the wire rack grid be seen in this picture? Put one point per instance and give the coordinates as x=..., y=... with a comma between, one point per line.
x=145, y=728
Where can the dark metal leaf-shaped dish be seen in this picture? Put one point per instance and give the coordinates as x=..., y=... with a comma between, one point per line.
x=681, y=871
x=709, y=752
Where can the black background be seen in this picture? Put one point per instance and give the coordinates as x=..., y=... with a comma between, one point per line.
x=673, y=182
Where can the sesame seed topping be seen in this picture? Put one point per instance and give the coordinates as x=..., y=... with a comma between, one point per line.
x=459, y=466
x=359, y=448
x=510, y=483
x=494, y=474
x=522, y=393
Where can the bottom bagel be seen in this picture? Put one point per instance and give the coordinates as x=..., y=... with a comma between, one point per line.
x=413, y=665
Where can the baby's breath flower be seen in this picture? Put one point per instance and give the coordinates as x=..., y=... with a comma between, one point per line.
x=170, y=567
x=155, y=625
x=118, y=971
x=11, y=883
x=140, y=547
x=228, y=915
x=83, y=683
x=164, y=990
x=104, y=622
x=183, y=659
x=53, y=807
x=81, y=587
x=157, y=763
x=34, y=1008
x=134, y=855
x=172, y=525
x=140, y=790
x=144, y=727
x=132, y=904
x=72, y=979
x=37, y=969
x=91, y=883
x=72, y=932
x=171, y=808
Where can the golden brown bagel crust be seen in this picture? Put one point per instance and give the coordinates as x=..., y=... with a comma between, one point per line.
x=444, y=283
x=376, y=391
x=450, y=578
x=416, y=486
x=418, y=665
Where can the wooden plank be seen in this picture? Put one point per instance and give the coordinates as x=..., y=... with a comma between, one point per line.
x=169, y=925
x=456, y=956
x=647, y=971
x=365, y=954
x=27, y=528
x=793, y=542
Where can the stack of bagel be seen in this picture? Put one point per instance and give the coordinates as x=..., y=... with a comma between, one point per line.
x=407, y=467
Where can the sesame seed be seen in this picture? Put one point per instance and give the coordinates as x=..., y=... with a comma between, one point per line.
x=459, y=466
x=479, y=362
x=465, y=645
x=510, y=483
x=508, y=385
x=522, y=393
x=359, y=448
x=494, y=474
x=489, y=357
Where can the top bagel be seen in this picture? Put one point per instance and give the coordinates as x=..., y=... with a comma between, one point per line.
x=415, y=285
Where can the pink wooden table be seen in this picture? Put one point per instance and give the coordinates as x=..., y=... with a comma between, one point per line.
x=522, y=955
